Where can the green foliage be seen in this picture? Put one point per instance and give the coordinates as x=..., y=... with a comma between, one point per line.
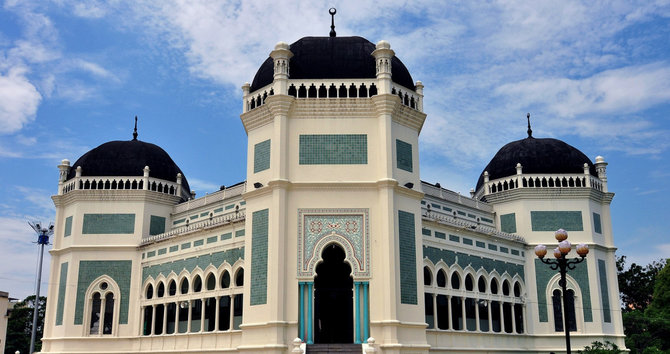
x=20, y=324
x=601, y=348
x=636, y=284
x=648, y=330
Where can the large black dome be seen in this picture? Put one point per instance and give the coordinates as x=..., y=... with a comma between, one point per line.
x=332, y=58
x=128, y=158
x=536, y=156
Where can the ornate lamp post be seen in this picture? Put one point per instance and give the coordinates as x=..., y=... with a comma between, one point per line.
x=43, y=234
x=563, y=264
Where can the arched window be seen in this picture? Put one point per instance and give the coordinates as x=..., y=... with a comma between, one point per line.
x=469, y=286
x=150, y=292
x=172, y=288
x=494, y=286
x=239, y=277
x=102, y=306
x=160, y=291
x=558, y=310
x=183, y=288
x=211, y=282
x=441, y=278
x=505, y=288
x=197, y=284
x=455, y=281
x=427, y=276
x=517, y=289
x=225, y=280
x=481, y=284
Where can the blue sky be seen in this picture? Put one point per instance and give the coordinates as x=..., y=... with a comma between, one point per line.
x=73, y=74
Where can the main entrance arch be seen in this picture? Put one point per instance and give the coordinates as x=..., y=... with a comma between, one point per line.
x=333, y=298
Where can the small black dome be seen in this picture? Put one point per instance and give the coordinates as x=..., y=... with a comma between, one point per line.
x=536, y=156
x=332, y=58
x=128, y=158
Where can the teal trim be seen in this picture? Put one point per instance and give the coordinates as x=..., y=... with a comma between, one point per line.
x=454, y=238
x=218, y=210
x=446, y=209
x=407, y=254
x=366, y=314
x=450, y=257
x=189, y=264
x=262, y=156
x=504, y=249
x=186, y=245
x=460, y=212
x=239, y=233
x=68, y=226
x=515, y=252
x=554, y=220
x=212, y=239
x=508, y=223
x=493, y=247
x=259, y=257
x=480, y=244
x=206, y=213
x=227, y=236
x=425, y=232
x=228, y=207
x=487, y=220
x=604, y=291
x=441, y=235
x=178, y=221
x=151, y=254
x=467, y=241
x=197, y=243
x=108, y=224
x=580, y=274
x=403, y=155
x=62, y=287
x=333, y=149
x=243, y=203
x=597, y=227
x=156, y=225
x=301, y=310
x=162, y=251
x=357, y=312
x=472, y=216
x=193, y=217
x=120, y=271
x=174, y=248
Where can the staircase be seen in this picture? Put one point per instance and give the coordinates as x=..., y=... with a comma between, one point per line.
x=334, y=348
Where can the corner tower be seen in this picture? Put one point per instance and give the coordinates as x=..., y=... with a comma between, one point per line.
x=334, y=197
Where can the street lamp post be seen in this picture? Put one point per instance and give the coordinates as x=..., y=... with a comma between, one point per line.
x=43, y=234
x=563, y=264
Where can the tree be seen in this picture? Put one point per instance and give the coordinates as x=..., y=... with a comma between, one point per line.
x=20, y=324
x=648, y=331
x=601, y=348
x=636, y=284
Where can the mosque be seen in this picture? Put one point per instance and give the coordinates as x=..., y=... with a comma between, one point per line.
x=333, y=242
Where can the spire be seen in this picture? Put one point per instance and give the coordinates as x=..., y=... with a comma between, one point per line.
x=332, y=13
x=530, y=131
x=135, y=131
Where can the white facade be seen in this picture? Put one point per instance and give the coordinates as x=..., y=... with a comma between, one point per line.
x=251, y=267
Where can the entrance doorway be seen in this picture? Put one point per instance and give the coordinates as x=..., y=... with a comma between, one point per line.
x=333, y=298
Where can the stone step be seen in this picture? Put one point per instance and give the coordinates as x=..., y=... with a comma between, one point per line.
x=334, y=348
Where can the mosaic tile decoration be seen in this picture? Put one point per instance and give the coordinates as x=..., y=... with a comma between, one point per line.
x=156, y=225
x=347, y=227
x=108, y=224
x=262, y=156
x=333, y=149
x=403, y=155
x=597, y=227
x=68, y=226
x=554, y=220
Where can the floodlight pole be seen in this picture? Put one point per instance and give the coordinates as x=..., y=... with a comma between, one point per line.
x=42, y=240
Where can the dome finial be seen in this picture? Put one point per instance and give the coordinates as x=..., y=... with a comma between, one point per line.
x=135, y=131
x=332, y=11
x=530, y=131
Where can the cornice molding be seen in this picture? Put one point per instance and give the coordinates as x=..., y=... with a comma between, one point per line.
x=106, y=195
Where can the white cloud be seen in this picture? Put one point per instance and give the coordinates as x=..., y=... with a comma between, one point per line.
x=201, y=186
x=19, y=100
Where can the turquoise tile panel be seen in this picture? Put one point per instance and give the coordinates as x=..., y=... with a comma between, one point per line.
x=162, y=251
x=467, y=241
x=227, y=236
x=425, y=232
x=554, y=220
x=440, y=235
x=515, y=252
x=174, y=248
x=490, y=221
x=193, y=217
x=203, y=261
x=446, y=208
x=333, y=149
x=228, y=207
x=206, y=213
x=508, y=223
x=243, y=203
x=597, y=227
x=454, y=238
x=449, y=257
x=542, y=275
x=239, y=233
x=493, y=247
x=197, y=243
x=62, y=286
x=407, y=254
x=186, y=245
x=120, y=271
x=604, y=291
x=212, y=239
x=480, y=244
x=178, y=221
x=403, y=155
x=504, y=249
x=68, y=226
x=472, y=216
x=259, y=257
x=156, y=225
x=218, y=210
x=262, y=156
x=151, y=254
x=108, y=224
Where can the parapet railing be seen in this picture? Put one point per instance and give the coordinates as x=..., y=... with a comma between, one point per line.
x=226, y=193
x=202, y=224
x=120, y=183
x=539, y=181
x=473, y=226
